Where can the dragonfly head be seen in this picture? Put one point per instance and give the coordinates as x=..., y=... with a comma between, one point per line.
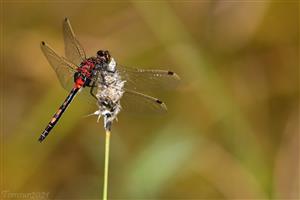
x=104, y=58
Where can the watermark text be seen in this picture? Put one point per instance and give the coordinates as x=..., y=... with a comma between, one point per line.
x=6, y=194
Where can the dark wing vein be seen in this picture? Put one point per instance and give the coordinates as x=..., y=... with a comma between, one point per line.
x=148, y=80
x=73, y=50
x=63, y=68
x=135, y=102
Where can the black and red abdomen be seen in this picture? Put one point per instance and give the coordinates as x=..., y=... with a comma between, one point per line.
x=59, y=113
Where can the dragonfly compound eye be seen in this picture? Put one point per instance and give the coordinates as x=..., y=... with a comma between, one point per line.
x=100, y=53
x=104, y=56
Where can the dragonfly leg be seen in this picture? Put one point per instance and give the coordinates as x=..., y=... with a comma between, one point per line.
x=92, y=91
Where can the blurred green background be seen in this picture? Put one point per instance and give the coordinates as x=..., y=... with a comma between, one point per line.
x=232, y=127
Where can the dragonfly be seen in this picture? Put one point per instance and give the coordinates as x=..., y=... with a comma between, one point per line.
x=114, y=87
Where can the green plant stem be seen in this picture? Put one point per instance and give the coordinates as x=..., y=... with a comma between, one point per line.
x=107, y=141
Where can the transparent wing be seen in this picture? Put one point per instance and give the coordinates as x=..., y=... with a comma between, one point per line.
x=86, y=97
x=147, y=80
x=135, y=102
x=63, y=68
x=73, y=50
x=89, y=92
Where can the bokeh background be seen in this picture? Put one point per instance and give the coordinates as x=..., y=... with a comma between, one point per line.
x=232, y=127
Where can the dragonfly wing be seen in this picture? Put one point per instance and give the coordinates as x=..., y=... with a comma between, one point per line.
x=63, y=68
x=135, y=102
x=73, y=50
x=148, y=80
x=86, y=97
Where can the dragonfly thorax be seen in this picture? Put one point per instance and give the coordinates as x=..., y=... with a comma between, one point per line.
x=86, y=68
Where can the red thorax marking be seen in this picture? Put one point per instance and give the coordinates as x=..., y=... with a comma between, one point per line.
x=79, y=82
x=85, y=70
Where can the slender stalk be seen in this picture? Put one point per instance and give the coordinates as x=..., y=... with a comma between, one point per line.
x=107, y=140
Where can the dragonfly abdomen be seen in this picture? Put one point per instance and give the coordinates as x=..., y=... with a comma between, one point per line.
x=58, y=114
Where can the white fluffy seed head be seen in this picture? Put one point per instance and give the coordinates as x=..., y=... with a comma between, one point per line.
x=109, y=91
x=112, y=65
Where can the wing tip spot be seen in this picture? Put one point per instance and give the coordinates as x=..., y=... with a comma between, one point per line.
x=43, y=43
x=162, y=104
x=174, y=75
x=159, y=101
